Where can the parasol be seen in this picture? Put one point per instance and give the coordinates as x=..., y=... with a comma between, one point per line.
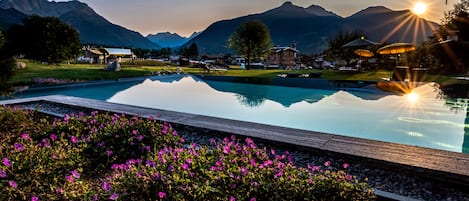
x=400, y=73
x=363, y=53
x=396, y=48
x=360, y=43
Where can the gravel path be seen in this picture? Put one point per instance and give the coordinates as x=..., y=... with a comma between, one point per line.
x=381, y=178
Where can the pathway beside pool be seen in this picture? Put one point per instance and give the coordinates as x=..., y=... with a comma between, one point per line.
x=436, y=164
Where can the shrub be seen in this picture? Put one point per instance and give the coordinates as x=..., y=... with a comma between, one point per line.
x=118, y=157
x=144, y=63
x=231, y=171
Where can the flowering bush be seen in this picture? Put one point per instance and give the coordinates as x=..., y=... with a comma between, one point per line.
x=116, y=157
x=40, y=80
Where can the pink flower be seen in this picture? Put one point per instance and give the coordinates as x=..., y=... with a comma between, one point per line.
x=161, y=194
x=109, y=152
x=346, y=165
x=69, y=178
x=140, y=137
x=25, y=136
x=12, y=184
x=74, y=139
x=226, y=149
x=272, y=151
x=3, y=174
x=53, y=137
x=253, y=162
x=34, y=198
x=75, y=174
x=244, y=171
x=185, y=166
x=165, y=129
x=316, y=168
x=6, y=162
x=279, y=174
x=19, y=146
x=232, y=198
x=114, y=196
x=212, y=141
x=135, y=132
x=213, y=168
x=327, y=163
x=106, y=186
x=252, y=199
x=189, y=161
x=348, y=177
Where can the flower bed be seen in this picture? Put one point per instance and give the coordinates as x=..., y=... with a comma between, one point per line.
x=110, y=156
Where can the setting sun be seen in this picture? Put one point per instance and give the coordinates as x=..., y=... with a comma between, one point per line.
x=419, y=8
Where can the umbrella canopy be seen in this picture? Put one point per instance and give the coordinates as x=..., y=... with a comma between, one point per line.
x=360, y=43
x=396, y=48
x=363, y=53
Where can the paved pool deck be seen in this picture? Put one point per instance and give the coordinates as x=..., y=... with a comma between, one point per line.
x=442, y=165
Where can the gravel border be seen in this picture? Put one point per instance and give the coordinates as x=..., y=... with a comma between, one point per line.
x=385, y=180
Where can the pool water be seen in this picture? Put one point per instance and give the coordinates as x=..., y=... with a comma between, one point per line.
x=425, y=118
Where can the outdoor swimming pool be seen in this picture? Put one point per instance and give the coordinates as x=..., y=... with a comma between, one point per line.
x=425, y=118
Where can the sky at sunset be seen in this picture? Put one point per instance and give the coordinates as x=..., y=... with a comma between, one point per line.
x=186, y=16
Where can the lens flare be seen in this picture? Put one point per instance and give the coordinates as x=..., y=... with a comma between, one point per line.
x=412, y=97
x=419, y=8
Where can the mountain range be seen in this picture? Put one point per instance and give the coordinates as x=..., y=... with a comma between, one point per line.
x=309, y=28
x=171, y=40
x=93, y=28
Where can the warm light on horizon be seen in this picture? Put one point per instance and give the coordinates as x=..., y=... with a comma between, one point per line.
x=419, y=8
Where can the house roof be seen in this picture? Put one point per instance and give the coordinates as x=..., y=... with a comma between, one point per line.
x=282, y=49
x=119, y=51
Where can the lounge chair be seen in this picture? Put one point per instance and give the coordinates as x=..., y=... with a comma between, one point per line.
x=208, y=68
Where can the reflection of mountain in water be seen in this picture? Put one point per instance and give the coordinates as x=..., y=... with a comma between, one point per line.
x=96, y=90
x=254, y=95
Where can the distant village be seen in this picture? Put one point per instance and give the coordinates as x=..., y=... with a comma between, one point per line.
x=279, y=57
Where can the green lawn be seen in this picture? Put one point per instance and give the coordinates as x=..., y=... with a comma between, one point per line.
x=85, y=72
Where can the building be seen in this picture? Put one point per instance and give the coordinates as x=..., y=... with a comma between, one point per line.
x=105, y=55
x=282, y=57
x=119, y=54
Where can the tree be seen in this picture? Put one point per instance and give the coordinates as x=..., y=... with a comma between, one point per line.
x=458, y=10
x=251, y=39
x=45, y=39
x=452, y=54
x=192, y=51
x=7, y=65
x=335, y=49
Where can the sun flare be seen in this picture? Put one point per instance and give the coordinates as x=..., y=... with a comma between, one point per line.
x=412, y=97
x=419, y=8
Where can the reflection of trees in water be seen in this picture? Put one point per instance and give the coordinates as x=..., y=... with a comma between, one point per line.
x=450, y=93
x=250, y=100
x=458, y=104
x=465, y=143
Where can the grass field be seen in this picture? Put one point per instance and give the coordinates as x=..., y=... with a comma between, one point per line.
x=85, y=72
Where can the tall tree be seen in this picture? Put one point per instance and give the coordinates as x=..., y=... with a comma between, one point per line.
x=45, y=39
x=7, y=65
x=336, y=49
x=251, y=39
x=193, y=51
x=452, y=54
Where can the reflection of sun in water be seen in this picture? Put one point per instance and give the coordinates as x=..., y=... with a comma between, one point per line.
x=412, y=97
x=419, y=8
